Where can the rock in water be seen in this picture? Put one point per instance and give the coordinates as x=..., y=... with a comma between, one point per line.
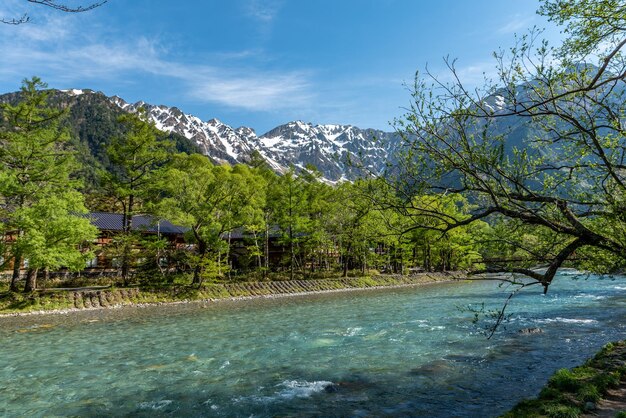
x=332, y=388
x=528, y=331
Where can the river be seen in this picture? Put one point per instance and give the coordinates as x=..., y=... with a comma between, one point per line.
x=394, y=352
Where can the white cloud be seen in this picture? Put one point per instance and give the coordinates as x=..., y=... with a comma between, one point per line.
x=253, y=91
x=473, y=75
x=66, y=57
x=516, y=24
x=476, y=73
x=264, y=11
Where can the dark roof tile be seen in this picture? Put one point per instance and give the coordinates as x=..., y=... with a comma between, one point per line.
x=146, y=223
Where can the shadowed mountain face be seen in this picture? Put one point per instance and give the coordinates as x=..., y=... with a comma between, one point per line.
x=92, y=122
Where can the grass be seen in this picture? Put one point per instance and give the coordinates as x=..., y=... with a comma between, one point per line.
x=569, y=390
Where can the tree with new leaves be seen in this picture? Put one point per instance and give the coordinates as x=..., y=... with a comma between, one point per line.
x=315, y=240
x=288, y=198
x=41, y=209
x=134, y=158
x=211, y=201
x=456, y=249
x=355, y=223
x=567, y=178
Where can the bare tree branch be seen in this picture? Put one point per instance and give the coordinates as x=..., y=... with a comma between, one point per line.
x=53, y=4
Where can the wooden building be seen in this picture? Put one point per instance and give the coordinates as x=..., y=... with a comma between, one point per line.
x=111, y=225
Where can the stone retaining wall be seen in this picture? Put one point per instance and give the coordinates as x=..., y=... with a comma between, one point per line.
x=111, y=297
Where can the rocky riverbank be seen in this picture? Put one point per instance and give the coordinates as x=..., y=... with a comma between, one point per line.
x=63, y=301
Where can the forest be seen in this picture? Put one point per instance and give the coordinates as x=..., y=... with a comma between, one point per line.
x=464, y=194
x=319, y=228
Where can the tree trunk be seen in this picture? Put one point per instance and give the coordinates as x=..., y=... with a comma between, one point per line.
x=427, y=258
x=197, y=272
x=128, y=226
x=267, y=250
x=17, y=263
x=46, y=276
x=346, y=260
x=293, y=254
x=257, y=250
x=364, y=267
x=31, y=281
x=228, y=259
x=126, y=261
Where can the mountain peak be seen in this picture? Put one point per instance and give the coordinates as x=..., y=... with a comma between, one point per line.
x=332, y=148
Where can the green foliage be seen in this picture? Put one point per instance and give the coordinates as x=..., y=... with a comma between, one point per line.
x=210, y=201
x=135, y=157
x=546, y=166
x=40, y=204
x=53, y=236
x=560, y=411
x=443, y=249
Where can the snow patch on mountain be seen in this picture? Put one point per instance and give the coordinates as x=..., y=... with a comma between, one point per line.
x=335, y=150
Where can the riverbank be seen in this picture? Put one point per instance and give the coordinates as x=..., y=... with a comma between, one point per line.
x=65, y=301
x=595, y=389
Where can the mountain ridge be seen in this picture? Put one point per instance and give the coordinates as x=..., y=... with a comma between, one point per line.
x=336, y=150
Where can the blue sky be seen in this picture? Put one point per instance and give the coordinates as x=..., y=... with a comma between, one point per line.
x=261, y=63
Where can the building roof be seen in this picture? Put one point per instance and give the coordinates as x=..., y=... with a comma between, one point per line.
x=242, y=233
x=145, y=223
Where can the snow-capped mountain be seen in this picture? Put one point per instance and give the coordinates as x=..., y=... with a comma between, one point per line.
x=339, y=152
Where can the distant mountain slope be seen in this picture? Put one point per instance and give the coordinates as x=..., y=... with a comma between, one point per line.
x=339, y=152
x=335, y=150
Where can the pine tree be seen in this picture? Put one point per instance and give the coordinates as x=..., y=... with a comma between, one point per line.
x=134, y=158
x=40, y=205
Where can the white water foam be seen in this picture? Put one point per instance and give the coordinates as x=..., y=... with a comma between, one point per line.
x=571, y=272
x=155, y=405
x=567, y=320
x=291, y=389
x=301, y=388
x=351, y=332
x=588, y=296
x=426, y=324
x=211, y=405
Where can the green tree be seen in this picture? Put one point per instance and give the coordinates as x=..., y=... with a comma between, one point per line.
x=211, y=201
x=438, y=248
x=288, y=199
x=567, y=177
x=134, y=159
x=315, y=240
x=39, y=204
x=53, y=236
x=355, y=223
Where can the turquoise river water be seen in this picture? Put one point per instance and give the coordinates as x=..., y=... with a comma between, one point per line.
x=394, y=352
